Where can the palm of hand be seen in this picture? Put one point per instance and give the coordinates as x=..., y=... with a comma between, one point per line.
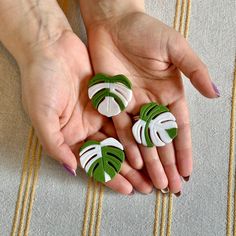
x=140, y=49
x=55, y=96
x=132, y=49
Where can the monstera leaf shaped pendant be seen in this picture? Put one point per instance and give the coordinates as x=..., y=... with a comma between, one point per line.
x=102, y=160
x=156, y=126
x=110, y=95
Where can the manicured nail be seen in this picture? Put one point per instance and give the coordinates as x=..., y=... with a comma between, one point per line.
x=165, y=190
x=186, y=179
x=216, y=89
x=132, y=193
x=138, y=164
x=69, y=170
x=177, y=194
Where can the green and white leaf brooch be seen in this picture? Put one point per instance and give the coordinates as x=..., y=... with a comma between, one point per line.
x=110, y=95
x=102, y=160
x=156, y=126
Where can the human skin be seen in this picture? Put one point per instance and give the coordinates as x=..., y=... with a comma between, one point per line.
x=55, y=70
x=123, y=39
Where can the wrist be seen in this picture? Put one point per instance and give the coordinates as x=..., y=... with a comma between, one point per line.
x=36, y=25
x=26, y=54
x=98, y=11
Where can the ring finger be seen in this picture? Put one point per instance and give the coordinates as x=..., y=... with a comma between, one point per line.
x=154, y=167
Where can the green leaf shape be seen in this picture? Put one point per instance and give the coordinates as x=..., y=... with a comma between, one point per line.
x=151, y=110
x=147, y=113
x=172, y=132
x=106, y=165
x=89, y=143
x=100, y=95
x=102, y=78
x=150, y=127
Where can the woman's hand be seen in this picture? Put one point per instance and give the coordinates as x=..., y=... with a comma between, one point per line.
x=151, y=55
x=55, y=69
x=54, y=92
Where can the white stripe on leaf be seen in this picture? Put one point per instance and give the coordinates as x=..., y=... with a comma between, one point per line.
x=90, y=154
x=157, y=130
x=109, y=106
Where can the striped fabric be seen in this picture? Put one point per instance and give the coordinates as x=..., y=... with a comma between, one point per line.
x=95, y=214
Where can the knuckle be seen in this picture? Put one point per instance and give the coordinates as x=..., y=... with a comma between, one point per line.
x=183, y=125
x=151, y=160
x=48, y=148
x=130, y=173
x=204, y=67
x=179, y=44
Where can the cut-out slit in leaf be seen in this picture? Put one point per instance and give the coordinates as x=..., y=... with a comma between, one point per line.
x=110, y=95
x=102, y=160
x=156, y=126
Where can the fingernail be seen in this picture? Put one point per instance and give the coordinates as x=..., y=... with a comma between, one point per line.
x=165, y=190
x=147, y=193
x=151, y=191
x=69, y=170
x=138, y=164
x=186, y=179
x=132, y=193
x=216, y=89
x=177, y=194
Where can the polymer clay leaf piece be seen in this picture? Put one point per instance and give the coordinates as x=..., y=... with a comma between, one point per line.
x=156, y=126
x=102, y=160
x=110, y=95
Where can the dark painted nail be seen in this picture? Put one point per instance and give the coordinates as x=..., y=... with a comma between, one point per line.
x=165, y=190
x=186, y=178
x=216, y=89
x=132, y=193
x=177, y=194
x=69, y=170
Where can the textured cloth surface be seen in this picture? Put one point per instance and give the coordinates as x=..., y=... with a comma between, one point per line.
x=59, y=206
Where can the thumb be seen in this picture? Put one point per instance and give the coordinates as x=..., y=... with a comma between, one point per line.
x=47, y=127
x=186, y=60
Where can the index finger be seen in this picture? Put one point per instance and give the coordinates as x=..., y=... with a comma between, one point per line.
x=48, y=129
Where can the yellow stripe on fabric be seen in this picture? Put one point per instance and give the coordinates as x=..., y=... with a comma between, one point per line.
x=231, y=160
x=170, y=209
x=157, y=207
x=93, y=210
x=27, y=189
x=181, y=25
x=22, y=182
x=32, y=195
x=177, y=9
x=187, y=20
x=87, y=206
x=99, y=212
x=163, y=214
